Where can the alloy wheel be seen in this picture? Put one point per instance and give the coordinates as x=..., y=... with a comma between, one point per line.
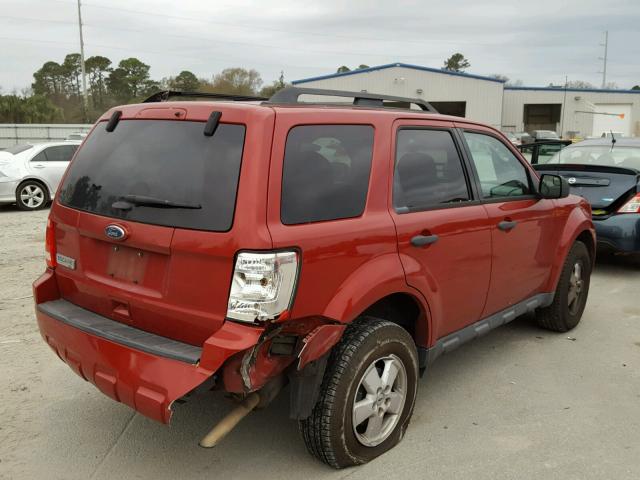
x=576, y=284
x=379, y=400
x=32, y=196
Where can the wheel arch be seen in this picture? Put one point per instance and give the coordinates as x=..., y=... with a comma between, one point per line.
x=405, y=310
x=578, y=227
x=377, y=288
x=41, y=181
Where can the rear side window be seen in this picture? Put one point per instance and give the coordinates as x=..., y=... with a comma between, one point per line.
x=325, y=172
x=163, y=160
x=428, y=171
x=60, y=153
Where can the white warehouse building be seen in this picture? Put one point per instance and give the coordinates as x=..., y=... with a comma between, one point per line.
x=453, y=93
x=570, y=112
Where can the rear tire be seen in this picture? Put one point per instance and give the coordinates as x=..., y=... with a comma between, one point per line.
x=571, y=293
x=359, y=387
x=31, y=195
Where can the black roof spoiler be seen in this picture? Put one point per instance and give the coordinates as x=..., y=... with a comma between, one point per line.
x=165, y=95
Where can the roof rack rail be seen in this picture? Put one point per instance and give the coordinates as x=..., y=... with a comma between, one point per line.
x=165, y=95
x=290, y=95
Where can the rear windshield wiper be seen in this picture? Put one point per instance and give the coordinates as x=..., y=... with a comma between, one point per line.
x=128, y=201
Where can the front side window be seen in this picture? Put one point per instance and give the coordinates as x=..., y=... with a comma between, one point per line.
x=501, y=174
x=428, y=171
x=325, y=172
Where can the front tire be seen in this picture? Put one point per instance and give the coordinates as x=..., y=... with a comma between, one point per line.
x=571, y=294
x=367, y=396
x=31, y=195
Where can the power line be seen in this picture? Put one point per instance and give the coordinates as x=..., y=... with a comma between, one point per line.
x=211, y=39
x=254, y=27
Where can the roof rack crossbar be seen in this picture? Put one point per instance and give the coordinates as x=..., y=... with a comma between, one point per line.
x=165, y=95
x=290, y=95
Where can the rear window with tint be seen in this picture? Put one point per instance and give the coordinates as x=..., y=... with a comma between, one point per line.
x=166, y=160
x=325, y=172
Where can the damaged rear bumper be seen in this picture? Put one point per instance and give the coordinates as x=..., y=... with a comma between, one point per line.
x=142, y=370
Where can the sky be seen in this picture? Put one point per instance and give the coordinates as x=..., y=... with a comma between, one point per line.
x=538, y=41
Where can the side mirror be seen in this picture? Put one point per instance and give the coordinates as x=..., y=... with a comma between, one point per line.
x=553, y=186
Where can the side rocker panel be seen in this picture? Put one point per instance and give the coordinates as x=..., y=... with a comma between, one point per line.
x=482, y=327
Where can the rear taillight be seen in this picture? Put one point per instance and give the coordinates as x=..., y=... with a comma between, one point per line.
x=632, y=206
x=263, y=285
x=50, y=244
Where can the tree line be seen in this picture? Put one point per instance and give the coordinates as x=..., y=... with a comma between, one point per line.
x=56, y=94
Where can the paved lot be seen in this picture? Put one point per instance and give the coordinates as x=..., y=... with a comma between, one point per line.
x=518, y=403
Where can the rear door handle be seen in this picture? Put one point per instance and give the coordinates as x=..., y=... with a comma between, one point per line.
x=422, y=240
x=507, y=225
x=38, y=166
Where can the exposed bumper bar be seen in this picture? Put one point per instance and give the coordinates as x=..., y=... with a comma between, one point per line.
x=142, y=370
x=108, y=329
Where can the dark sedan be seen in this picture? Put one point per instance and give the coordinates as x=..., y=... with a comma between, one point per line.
x=607, y=174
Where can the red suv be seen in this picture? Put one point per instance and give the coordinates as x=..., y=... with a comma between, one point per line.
x=338, y=248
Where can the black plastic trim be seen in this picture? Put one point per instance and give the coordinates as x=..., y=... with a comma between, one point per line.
x=454, y=340
x=94, y=324
x=305, y=388
x=212, y=124
x=113, y=121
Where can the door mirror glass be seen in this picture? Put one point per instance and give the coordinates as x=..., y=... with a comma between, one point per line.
x=553, y=186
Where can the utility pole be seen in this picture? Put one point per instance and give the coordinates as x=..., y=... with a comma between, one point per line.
x=85, y=102
x=564, y=105
x=604, y=59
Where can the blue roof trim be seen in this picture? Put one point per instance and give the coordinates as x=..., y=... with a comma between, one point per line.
x=402, y=65
x=561, y=89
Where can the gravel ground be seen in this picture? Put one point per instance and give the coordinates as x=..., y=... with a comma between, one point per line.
x=517, y=403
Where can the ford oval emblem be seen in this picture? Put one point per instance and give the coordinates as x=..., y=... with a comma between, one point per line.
x=572, y=180
x=115, y=232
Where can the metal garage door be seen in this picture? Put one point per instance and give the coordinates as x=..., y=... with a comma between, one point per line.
x=613, y=122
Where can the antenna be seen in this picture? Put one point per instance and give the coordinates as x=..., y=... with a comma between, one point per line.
x=604, y=59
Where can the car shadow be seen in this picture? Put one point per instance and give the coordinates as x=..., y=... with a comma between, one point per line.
x=11, y=208
x=607, y=262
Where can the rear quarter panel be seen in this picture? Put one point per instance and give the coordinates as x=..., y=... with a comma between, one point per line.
x=348, y=264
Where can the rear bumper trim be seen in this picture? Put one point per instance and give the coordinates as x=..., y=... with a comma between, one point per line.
x=117, y=332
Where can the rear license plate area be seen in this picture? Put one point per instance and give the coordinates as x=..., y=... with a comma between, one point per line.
x=127, y=264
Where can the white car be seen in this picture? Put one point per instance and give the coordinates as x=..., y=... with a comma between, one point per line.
x=30, y=174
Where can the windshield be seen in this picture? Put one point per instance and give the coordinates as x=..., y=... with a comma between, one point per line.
x=626, y=157
x=18, y=148
x=147, y=164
